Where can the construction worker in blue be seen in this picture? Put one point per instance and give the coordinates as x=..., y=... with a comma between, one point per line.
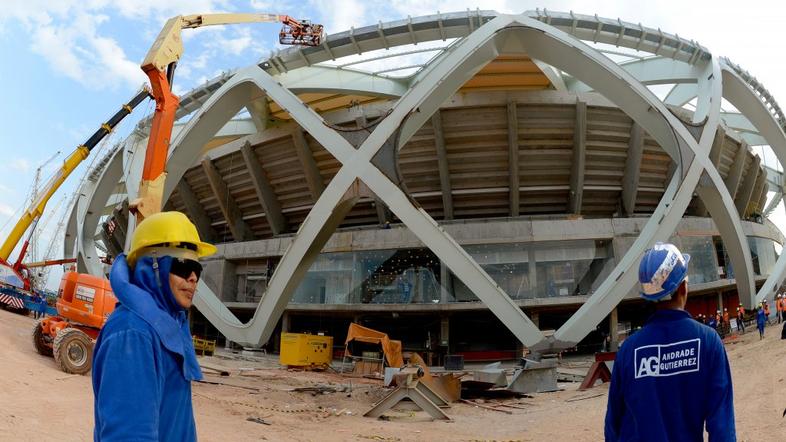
x=672, y=377
x=761, y=320
x=144, y=360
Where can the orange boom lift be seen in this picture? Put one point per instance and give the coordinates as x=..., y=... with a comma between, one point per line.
x=85, y=301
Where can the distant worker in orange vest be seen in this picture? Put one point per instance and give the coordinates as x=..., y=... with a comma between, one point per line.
x=783, y=308
x=741, y=318
x=767, y=312
x=726, y=316
x=778, y=307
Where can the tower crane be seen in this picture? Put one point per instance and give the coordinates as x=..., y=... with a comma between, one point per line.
x=16, y=275
x=33, y=196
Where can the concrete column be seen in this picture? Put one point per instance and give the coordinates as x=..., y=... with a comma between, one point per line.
x=285, y=322
x=720, y=301
x=444, y=332
x=533, y=273
x=535, y=318
x=355, y=294
x=446, y=286
x=614, y=337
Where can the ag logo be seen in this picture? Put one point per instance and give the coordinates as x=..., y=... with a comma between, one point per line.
x=667, y=359
x=648, y=367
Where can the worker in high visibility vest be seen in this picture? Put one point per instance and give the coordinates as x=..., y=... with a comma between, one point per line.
x=741, y=318
x=659, y=369
x=783, y=308
x=767, y=312
x=778, y=307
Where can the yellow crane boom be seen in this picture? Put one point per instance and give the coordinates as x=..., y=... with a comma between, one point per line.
x=36, y=208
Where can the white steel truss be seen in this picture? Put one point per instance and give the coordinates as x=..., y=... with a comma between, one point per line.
x=554, y=39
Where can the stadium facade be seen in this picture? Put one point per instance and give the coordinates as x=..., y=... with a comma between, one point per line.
x=470, y=183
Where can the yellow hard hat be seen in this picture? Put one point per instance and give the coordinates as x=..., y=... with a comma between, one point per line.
x=167, y=229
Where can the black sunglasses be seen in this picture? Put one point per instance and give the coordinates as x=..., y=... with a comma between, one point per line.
x=184, y=267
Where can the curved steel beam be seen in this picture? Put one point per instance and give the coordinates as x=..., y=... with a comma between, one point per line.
x=356, y=163
x=740, y=94
x=97, y=193
x=640, y=104
x=439, y=81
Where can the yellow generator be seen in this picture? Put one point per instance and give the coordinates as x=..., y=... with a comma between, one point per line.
x=303, y=350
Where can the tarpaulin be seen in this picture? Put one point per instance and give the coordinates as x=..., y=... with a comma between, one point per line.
x=390, y=347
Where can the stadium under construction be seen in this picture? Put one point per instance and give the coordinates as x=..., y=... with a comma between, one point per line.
x=471, y=183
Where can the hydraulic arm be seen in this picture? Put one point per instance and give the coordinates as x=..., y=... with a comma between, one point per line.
x=159, y=65
x=35, y=210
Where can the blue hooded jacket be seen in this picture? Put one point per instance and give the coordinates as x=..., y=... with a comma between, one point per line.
x=761, y=318
x=670, y=379
x=144, y=361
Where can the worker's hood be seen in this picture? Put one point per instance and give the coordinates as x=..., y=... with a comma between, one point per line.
x=146, y=293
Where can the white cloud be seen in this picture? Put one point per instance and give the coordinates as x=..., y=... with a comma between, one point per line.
x=66, y=34
x=140, y=9
x=20, y=164
x=6, y=210
x=260, y=5
x=234, y=46
x=340, y=15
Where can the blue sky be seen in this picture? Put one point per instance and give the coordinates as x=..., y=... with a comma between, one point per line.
x=67, y=65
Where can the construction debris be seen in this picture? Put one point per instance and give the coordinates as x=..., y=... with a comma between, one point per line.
x=218, y=369
x=485, y=407
x=581, y=398
x=228, y=385
x=409, y=387
x=535, y=377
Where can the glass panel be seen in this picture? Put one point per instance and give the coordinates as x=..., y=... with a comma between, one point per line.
x=250, y=288
x=566, y=268
x=372, y=277
x=762, y=254
x=703, y=266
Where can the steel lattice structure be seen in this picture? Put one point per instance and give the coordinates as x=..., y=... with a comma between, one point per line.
x=559, y=44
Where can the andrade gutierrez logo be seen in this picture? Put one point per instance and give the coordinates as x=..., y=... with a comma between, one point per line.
x=667, y=359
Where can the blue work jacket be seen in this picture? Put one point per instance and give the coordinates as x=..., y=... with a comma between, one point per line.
x=761, y=318
x=144, y=360
x=670, y=379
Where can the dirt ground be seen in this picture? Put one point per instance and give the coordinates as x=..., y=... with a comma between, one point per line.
x=41, y=402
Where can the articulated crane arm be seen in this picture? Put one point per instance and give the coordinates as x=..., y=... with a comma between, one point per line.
x=36, y=209
x=159, y=65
